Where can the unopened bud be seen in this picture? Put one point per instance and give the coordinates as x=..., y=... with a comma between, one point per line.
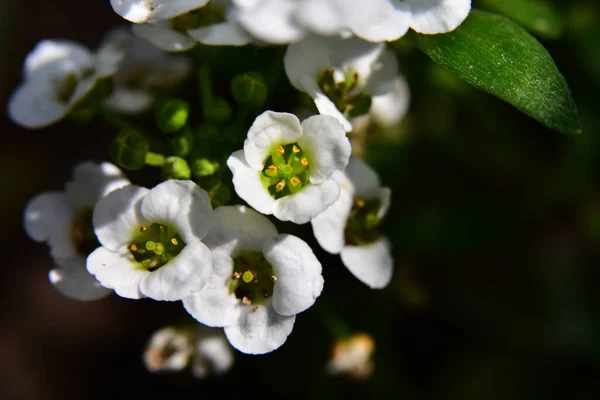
x=128, y=150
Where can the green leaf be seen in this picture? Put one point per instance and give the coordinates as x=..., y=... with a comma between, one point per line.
x=498, y=56
x=537, y=16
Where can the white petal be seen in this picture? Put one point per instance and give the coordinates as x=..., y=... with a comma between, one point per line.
x=91, y=182
x=213, y=354
x=182, y=203
x=238, y=229
x=34, y=105
x=325, y=141
x=137, y=11
x=328, y=227
x=385, y=20
x=186, y=273
x=390, y=107
x=48, y=218
x=248, y=185
x=117, y=217
x=221, y=34
x=324, y=104
x=214, y=305
x=73, y=281
x=298, y=66
x=116, y=271
x=364, y=179
x=128, y=101
x=298, y=271
x=372, y=264
x=308, y=203
x=259, y=330
x=325, y=17
x=163, y=37
x=438, y=16
x=271, y=21
x=179, y=7
x=269, y=130
x=56, y=58
x=385, y=197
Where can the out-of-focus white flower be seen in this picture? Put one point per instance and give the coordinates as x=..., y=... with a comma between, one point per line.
x=145, y=68
x=169, y=349
x=349, y=226
x=141, y=11
x=352, y=357
x=64, y=221
x=151, y=240
x=260, y=281
x=270, y=21
x=213, y=354
x=224, y=30
x=57, y=75
x=285, y=168
x=348, y=77
x=382, y=20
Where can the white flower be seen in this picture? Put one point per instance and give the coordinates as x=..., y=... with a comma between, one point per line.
x=285, y=168
x=213, y=355
x=349, y=226
x=151, y=240
x=64, y=221
x=353, y=357
x=143, y=69
x=58, y=74
x=140, y=11
x=270, y=21
x=169, y=349
x=348, y=77
x=261, y=280
x=227, y=32
x=382, y=20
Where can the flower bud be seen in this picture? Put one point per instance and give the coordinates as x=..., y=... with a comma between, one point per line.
x=219, y=111
x=172, y=115
x=181, y=145
x=176, y=168
x=249, y=89
x=128, y=149
x=203, y=167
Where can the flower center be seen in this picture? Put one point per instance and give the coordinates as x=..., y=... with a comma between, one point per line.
x=205, y=16
x=82, y=233
x=252, y=280
x=344, y=90
x=155, y=246
x=287, y=171
x=362, y=224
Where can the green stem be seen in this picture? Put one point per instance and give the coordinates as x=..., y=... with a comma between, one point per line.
x=204, y=85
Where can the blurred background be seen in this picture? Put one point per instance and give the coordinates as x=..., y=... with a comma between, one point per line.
x=495, y=226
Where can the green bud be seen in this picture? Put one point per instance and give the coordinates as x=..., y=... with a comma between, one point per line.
x=218, y=111
x=128, y=150
x=176, y=168
x=172, y=115
x=204, y=167
x=181, y=145
x=249, y=89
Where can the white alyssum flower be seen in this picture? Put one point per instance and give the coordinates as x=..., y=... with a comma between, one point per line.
x=169, y=349
x=58, y=74
x=382, y=20
x=261, y=280
x=285, y=167
x=142, y=71
x=141, y=11
x=348, y=77
x=213, y=354
x=270, y=21
x=152, y=240
x=349, y=226
x=352, y=357
x=64, y=221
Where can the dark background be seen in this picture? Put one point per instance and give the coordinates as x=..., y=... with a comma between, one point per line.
x=495, y=225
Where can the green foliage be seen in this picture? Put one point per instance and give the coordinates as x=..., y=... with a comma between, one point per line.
x=249, y=89
x=537, y=16
x=498, y=56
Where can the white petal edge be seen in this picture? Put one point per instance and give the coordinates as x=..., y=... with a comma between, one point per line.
x=116, y=271
x=328, y=227
x=248, y=185
x=73, y=281
x=163, y=37
x=91, y=182
x=437, y=16
x=364, y=179
x=33, y=105
x=221, y=34
x=303, y=206
x=372, y=264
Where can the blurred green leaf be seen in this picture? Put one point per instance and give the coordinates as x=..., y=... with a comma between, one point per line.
x=537, y=16
x=498, y=56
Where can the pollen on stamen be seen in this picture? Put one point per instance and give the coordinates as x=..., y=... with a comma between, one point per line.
x=273, y=278
x=246, y=300
x=295, y=150
x=279, y=186
x=237, y=275
x=143, y=228
x=133, y=247
x=280, y=150
x=174, y=241
x=294, y=181
x=272, y=168
x=304, y=162
x=360, y=202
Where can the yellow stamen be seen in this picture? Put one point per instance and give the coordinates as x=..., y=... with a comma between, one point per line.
x=304, y=162
x=174, y=241
x=236, y=275
x=280, y=150
x=246, y=300
x=143, y=228
x=295, y=149
x=273, y=278
x=133, y=247
x=279, y=186
x=294, y=181
x=248, y=276
x=272, y=168
x=360, y=202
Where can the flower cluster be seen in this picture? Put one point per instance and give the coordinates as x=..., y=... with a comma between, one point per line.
x=185, y=239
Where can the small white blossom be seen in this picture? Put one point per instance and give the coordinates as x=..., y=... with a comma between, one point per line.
x=141, y=11
x=213, y=354
x=260, y=281
x=64, y=221
x=382, y=20
x=344, y=75
x=145, y=68
x=270, y=21
x=58, y=74
x=352, y=357
x=169, y=349
x=285, y=168
x=151, y=240
x=349, y=226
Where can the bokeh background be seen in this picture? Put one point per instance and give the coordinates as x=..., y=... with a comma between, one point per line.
x=495, y=225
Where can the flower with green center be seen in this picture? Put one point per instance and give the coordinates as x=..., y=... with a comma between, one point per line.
x=58, y=75
x=349, y=227
x=285, y=167
x=142, y=11
x=64, y=221
x=347, y=78
x=260, y=281
x=152, y=240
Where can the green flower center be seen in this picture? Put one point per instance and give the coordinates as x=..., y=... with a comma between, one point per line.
x=253, y=279
x=205, y=16
x=82, y=233
x=362, y=225
x=287, y=171
x=345, y=93
x=155, y=245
